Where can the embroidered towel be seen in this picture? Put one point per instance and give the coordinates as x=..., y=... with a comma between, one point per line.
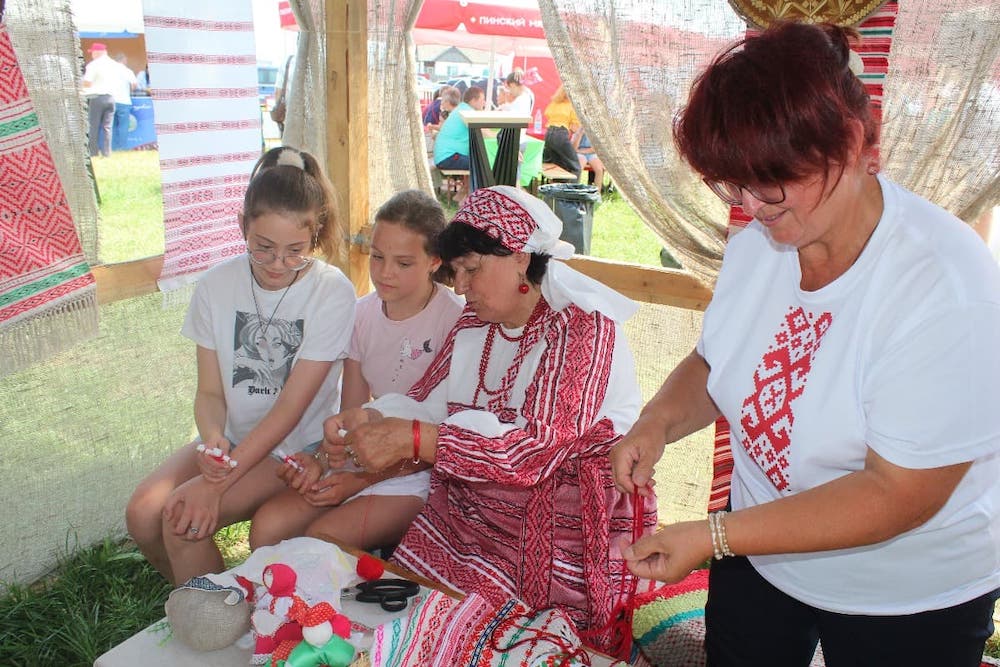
x=203, y=59
x=48, y=297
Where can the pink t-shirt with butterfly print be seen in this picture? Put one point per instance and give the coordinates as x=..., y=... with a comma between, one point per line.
x=393, y=355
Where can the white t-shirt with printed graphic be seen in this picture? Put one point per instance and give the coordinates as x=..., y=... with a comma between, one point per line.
x=901, y=353
x=313, y=321
x=393, y=355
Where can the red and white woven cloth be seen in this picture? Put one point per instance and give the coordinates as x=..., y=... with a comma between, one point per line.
x=48, y=297
x=202, y=59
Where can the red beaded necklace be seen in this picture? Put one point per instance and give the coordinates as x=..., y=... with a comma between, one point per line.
x=500, y=397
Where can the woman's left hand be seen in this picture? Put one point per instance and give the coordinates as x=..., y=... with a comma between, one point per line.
x=193, y=509
x=670, y=554
x=376, y=446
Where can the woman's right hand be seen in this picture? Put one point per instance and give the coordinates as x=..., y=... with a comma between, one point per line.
x=213, y=467
x=633, y=457
x=334, y=428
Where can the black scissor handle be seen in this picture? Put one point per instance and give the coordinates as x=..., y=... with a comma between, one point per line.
x=390, y=594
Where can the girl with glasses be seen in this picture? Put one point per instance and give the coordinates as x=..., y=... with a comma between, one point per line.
x=271, y=328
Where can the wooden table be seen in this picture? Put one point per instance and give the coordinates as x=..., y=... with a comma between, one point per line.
x=504, y=170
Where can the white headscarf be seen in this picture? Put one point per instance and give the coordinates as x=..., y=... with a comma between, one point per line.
x=523, y=223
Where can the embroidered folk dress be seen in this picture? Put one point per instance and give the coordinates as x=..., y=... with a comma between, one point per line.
x=522, y=502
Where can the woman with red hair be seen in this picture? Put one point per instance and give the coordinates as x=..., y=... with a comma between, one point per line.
x=851, y=343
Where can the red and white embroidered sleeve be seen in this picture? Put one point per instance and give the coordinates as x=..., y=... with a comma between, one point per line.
x=561, y=406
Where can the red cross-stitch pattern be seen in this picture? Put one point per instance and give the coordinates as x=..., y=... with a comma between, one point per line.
x=767, y=416
x=498, y=216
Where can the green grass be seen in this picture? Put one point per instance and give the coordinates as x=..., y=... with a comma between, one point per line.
x=98, y=596
x=131, y=225
x=101, y=595
x=621, y=235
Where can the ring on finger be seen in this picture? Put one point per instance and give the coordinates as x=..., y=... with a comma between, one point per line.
x=350, y=452
x=193, y=530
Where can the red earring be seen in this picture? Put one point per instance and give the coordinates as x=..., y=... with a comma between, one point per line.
x=523, y=288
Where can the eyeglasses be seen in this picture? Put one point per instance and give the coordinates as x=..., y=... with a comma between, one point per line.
x=292, y=262
x=732, y=194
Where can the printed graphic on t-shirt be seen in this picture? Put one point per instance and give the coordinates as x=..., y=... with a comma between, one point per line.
x=409, y=351
x=768, y=413
x=263, y=352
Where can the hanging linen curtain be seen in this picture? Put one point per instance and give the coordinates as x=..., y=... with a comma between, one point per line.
x=396, y=152
x=48, y=297
x=941, y=115
x=203, y=59
x=628, y=66
x=396, y=148
x=305, y=119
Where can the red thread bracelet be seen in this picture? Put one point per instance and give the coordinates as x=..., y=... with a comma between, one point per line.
x=416, y=442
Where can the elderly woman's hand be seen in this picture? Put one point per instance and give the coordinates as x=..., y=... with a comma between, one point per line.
x=633, y=458
x=670, y=554
x=334, y=429
x=378, y=445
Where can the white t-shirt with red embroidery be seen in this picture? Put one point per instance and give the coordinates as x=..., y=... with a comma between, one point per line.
x=901, y=353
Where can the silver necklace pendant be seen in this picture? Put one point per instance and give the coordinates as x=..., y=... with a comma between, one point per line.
x=256, y=307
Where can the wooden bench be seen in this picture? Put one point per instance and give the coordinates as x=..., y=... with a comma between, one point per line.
x=454, y=180
x=556, y=174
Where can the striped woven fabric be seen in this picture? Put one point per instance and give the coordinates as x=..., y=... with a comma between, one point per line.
x=669, y=622
x=48, y=297
x=876, y=41
x=202, y=57
x=443, y=632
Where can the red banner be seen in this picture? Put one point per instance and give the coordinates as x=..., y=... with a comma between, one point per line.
x=480, y=18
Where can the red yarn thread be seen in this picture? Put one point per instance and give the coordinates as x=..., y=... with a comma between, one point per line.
x=620, y=625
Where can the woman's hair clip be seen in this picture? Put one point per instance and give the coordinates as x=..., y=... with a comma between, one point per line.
x=855, y=63
x=291, y=157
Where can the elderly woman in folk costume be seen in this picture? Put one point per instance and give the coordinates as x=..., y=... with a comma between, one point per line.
x=517, y=414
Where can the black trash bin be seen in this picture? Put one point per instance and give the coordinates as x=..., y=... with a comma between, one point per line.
x=574, y=204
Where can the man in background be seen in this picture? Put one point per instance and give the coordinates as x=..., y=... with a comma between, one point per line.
x=124, y=82
x=451, y=148
x=97, y=85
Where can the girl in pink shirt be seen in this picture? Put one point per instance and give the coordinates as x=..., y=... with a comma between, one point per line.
x=397, y=332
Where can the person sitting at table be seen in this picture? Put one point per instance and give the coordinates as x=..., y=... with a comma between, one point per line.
x=562, y=124
x=587, y=156
x=517, y=414
x=451, y=148
x=446, y=98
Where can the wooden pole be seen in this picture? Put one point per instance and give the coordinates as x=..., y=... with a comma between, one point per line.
x=347, y=125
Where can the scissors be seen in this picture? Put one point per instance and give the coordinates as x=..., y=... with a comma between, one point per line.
x=390, y=594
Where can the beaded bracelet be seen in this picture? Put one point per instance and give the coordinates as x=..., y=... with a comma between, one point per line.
x=717, y=526
x=416, y=442
x=716, y=551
